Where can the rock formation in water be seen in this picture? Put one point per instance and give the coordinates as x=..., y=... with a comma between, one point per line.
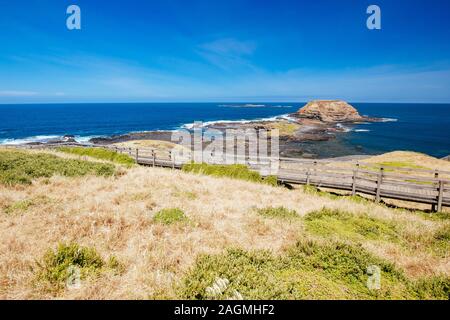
x=329, y=111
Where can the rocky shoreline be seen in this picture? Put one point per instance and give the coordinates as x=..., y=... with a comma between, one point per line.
x=311, y=132
x=318, y=121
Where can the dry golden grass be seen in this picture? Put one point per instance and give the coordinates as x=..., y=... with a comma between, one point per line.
x=162, y=149
x=114, y=215
x=153, y=144
x=401, y=159
x=414, y=158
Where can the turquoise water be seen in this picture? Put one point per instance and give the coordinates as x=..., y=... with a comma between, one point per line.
x=417, y=127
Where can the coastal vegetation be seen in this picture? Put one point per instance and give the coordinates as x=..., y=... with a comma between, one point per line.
x=170, y=216
x=348, y=226
x=99, y=153
x=71, y=260
x=19, y=167
x=130, y=238
x=235, y=171
x=307, y=270
x=278, y=212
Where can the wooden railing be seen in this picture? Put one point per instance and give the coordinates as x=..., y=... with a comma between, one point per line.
x=409, y=184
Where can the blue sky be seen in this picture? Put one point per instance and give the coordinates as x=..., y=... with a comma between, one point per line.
x=233, y=50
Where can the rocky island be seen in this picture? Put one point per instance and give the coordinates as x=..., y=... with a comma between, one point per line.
x=318, y=120
x=329, y=111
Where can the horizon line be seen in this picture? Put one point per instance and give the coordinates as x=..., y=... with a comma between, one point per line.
x=218, y=101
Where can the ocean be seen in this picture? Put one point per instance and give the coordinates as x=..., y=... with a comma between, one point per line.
x=415, y=127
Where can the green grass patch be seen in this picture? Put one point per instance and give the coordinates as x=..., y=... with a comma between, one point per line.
x=23, y=205
x=236, y=171
x=333, y=196
x=277, y=212
x=437, y=287
x=391, y=166
x=170, y=216
x=401, y=164
x=432, y=216
x=309, y=189
x=72, y=260
x=359, y=199
x=19, y=206
x=271, y=180
x=100, y=153
x=19, y=167
x=327, y=222
x=185, y=194
x=307, y=270
x=440, y=242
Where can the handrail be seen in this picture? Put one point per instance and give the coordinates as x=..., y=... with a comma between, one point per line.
x=355, y=178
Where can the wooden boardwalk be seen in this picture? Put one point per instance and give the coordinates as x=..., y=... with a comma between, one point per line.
x=415, y=185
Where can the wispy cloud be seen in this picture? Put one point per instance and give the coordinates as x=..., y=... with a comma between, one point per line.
x=230, y=47
x=86, y=77
x=17, y=93
x=228, y=54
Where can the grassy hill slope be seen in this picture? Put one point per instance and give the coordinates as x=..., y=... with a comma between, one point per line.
x=158, y=233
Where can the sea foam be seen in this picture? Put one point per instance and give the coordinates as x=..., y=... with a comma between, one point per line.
x=242, y=121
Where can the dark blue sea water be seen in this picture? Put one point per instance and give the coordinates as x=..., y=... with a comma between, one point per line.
x=417, y=127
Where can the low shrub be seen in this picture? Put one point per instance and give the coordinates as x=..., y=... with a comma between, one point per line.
x=277, y=212
x=236, y=171
x=327, y=222
x=170, y=216
x=307, y=270
x=100, y=153
x=271, y=180
x=57, y=266
x=19, y=167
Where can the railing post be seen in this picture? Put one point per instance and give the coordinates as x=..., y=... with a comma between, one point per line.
x=172, y=156
x=154, y=158
x=436, y=176
x=137, y=155
x=440, y=196
x=308, y=176
x=308, y=173
x=355, y=176
x=379, y=181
